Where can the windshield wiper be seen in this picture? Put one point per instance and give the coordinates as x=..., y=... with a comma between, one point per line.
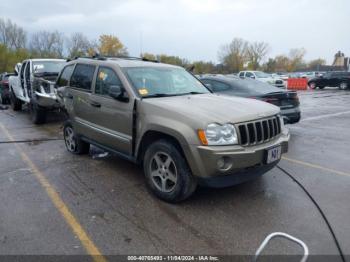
x=159, y=95
x=167, y=95
x=191, y=93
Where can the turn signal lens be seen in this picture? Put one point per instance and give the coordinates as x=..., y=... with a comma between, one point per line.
x=202, y=137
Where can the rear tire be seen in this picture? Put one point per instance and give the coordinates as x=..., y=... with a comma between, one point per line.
x=343, y=86
x=38, y=114
x=312, y=85
x=167, y=173
x=73, y=143
x=16, y=104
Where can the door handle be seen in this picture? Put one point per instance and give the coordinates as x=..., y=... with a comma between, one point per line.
x=95, y=104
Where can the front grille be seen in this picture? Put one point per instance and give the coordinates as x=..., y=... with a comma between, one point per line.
x=260, y=131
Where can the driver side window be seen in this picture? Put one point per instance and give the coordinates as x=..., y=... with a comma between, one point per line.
x=106, y=77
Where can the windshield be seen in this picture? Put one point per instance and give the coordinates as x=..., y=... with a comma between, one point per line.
x=261, y=74
x=152, y=81
x=47, y=66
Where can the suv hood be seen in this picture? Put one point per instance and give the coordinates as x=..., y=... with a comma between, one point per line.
x=208, y=108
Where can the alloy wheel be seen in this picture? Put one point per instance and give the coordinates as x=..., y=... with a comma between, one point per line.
x=163, y=172
x=343, y=86
x=69, y=139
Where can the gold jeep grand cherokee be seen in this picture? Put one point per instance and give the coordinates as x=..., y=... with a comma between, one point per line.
x=162, y=117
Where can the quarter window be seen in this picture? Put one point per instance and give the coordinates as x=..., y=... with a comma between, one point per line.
x=82, y=76
x=106, y=78
x=65, y=76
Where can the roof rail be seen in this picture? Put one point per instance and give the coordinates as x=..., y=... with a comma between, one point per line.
x=96, y=56
x=133, y=58
x=99, y=57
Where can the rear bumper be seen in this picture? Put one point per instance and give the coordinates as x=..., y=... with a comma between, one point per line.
x=5, y=91
x=291, y=115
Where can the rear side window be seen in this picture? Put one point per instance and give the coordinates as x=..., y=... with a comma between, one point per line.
x=82, y=76
x=106, y=78
x=65, y=76
x=219, y=86
x=241, y=74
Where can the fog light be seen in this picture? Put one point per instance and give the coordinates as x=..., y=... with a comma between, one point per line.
x=221, y=163
x=224, y=163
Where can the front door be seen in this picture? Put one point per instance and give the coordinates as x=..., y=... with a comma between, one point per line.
x=111, y=118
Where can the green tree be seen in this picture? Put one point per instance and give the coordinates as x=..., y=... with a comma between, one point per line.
x=110, y=45
x=316, y=62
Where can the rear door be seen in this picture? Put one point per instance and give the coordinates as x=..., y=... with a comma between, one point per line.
x=111, y=118
x=79, y=92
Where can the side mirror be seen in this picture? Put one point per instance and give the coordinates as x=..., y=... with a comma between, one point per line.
x=115, y=92
x=252, y=77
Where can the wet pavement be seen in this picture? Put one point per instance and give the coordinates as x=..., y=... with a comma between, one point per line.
x=108, y=197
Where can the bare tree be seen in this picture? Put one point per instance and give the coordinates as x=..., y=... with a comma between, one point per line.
x=12, y=35
x=234, y=55
x=47, y=44
x=256, y=52
x=79, y=45
x=296, y=58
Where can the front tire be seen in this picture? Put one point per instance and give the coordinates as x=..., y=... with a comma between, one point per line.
x=167, y=173
x=73, y=143
x=343, y=86
x=16, y=104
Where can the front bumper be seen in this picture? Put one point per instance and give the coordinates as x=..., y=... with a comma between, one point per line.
x=244, y=163
x=47, y=100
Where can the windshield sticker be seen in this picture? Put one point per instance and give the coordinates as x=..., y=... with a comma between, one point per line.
x=143, y=91
x=102, y=76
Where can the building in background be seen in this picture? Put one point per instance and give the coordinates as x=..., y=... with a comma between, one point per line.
x=341, y=61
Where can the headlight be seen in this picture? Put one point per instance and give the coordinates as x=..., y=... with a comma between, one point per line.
x=216, y=134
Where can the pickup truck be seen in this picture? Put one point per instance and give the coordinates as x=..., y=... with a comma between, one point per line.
x=34, y=85
x=263, y=77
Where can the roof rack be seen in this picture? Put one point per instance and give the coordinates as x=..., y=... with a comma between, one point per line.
x=99, y=57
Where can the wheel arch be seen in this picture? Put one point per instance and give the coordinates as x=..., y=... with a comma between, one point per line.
x=179, y=141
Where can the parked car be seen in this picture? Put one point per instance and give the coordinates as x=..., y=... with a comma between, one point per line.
x=332, y=79
x=262, y=77
x=287, y=101
x=35, y=85
x=164, y=118
x=4, y=88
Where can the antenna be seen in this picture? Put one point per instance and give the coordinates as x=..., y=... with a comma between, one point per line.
x=141, y=51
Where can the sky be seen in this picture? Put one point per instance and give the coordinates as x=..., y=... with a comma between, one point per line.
x=195, y=29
